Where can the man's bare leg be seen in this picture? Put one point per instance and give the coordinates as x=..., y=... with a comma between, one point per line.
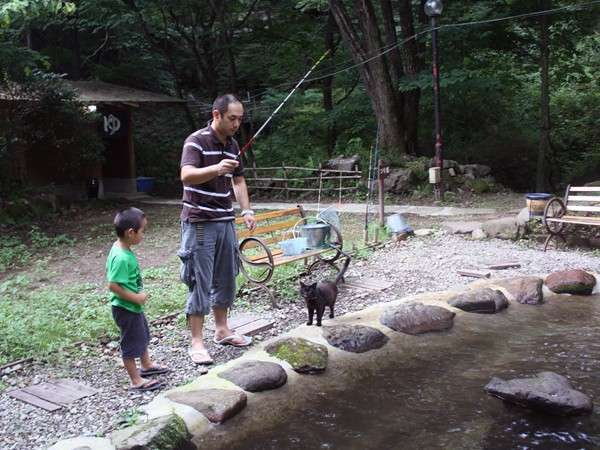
x=198, y=352
x=222, y=329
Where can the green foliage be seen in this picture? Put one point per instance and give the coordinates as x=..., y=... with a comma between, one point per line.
x=481, y=185
x=13, y=253
x=129, y=417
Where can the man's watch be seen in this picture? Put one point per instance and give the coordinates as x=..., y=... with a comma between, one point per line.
x=246, y=211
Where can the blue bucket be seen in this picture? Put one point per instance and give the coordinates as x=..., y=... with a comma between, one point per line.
x=293, y=247
x=144, y=184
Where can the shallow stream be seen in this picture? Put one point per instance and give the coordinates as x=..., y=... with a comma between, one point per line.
x=428, y=392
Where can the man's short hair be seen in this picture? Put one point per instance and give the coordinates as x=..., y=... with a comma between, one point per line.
x=222, y=103
x=128, y=218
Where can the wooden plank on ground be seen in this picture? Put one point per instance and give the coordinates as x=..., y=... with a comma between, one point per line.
x=502, y=265
x=252, y=328
x=53, y=393
x=19, y=394
x=83, y=390
x=474, y=273
x=243, y=320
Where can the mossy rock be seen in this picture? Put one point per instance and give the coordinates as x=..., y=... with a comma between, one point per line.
x=162, y=433
x=303, y=355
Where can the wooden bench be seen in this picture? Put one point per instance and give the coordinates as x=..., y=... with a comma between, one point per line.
x=580, y=206
x=259, y=253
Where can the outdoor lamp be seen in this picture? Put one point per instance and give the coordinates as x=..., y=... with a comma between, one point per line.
x=433, y=8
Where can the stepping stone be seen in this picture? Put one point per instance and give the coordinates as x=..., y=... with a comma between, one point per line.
x=165, y=433
x=525, y=290
x=256, y=376
x=576, y=282
x=417, y=318
x=355, y=338
x=482, y=301
x=303, y=355
x=547, y=392
x=217, y=405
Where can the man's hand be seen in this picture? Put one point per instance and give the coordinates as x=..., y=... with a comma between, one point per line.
x=250, y=221
x=226, y=166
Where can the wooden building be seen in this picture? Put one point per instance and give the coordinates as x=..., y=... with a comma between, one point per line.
x=117, y=175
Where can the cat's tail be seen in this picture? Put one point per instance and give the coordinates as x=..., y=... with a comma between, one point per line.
x=340, y=275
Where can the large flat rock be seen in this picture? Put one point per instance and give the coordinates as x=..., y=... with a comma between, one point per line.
x=256, y=376
x=217, y=405
x=355, y=338
x=574, y=281
x=547, y=392
x=482, y=301
x=417, y=318
x=303, y=355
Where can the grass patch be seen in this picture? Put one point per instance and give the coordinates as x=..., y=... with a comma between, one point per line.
x=38, y=322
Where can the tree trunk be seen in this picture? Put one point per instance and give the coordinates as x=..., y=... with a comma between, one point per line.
x=412, y=65
x=541, y=181
x=330, y=132
x=365, y=43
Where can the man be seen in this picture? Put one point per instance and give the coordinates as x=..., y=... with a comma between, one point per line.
x=210, y=168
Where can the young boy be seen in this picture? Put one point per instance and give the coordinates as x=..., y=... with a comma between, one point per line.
x=128, y=298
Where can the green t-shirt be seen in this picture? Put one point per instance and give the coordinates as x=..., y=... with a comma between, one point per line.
x=122, y=268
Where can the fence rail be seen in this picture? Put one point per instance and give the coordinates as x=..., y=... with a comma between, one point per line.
x=288, y=179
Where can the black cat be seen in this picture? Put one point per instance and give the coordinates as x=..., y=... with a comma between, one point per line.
x=320, y=294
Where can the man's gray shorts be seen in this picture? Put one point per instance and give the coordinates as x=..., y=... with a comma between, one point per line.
x=209, y=265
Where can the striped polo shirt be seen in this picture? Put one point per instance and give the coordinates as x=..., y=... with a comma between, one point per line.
x=210, y=200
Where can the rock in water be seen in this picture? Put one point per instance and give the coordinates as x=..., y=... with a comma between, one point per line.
x=576, y=282
x=483, y=301
x=547, y=392
x=417, y=318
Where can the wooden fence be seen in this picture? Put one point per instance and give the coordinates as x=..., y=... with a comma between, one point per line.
x=289, y=179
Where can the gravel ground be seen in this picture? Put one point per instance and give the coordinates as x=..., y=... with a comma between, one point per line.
x=416, y=265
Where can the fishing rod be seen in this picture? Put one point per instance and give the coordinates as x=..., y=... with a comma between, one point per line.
x=373, y=164
x=251, y=141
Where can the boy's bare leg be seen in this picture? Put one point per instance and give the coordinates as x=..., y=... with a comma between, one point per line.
x=132, y=371
x=222, y=330
x=146, y=361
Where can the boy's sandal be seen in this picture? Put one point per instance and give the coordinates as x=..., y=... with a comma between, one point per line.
x=156, y=370
x=200, y=356
x=150, y=385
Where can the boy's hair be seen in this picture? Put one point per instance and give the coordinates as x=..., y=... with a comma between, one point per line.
x=222, y=103
x=128, y=218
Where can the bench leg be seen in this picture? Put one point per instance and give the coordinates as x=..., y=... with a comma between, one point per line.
x=550, y=237
x=264, y=287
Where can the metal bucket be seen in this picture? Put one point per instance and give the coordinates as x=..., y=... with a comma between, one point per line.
x=316, y=234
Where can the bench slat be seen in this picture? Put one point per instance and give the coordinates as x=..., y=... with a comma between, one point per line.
x=575, y=220
x=583, y=198
x=584, y=189
x=280, y=260
x=583, y=208
x=273, y=214
x=267, y=241
x=287, y=224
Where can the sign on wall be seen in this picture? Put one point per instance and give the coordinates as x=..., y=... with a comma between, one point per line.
x=114, y=124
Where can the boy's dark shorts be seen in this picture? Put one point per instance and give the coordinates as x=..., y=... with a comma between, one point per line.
x=135, y=334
